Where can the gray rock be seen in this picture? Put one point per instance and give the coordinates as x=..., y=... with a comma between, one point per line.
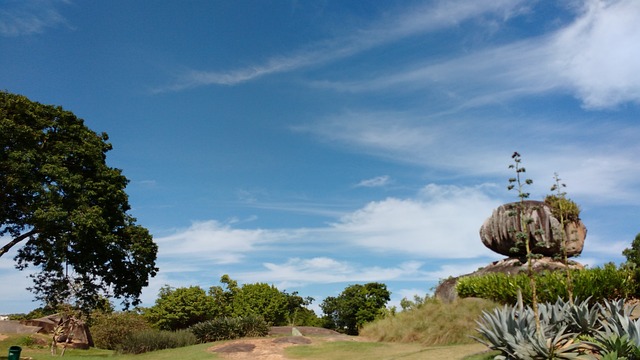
x=498, y=232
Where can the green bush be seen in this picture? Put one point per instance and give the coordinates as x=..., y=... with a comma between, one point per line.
x=598, y=284
x=561, y=206
x=153, y=340
x=228, y=328
x=109, y=331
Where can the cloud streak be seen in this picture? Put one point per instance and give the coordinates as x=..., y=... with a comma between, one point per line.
x=457, y=145
x=28, y=17
x=406, y=226
x=594, y=58
x=429, y=17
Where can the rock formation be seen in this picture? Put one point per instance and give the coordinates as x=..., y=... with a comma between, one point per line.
x=498, y=231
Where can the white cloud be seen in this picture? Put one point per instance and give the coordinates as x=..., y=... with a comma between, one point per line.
x=595, y=58
x=377, y=181
x=324, y=270
x=599, y=54
x=482, y=147
x=215, y=242
x=442, y=222
x=29, y=17
x=426, y=18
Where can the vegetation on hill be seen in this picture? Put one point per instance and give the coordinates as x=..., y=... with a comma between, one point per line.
x=430, y=321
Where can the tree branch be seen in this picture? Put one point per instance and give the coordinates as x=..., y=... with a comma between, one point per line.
x=13, y=242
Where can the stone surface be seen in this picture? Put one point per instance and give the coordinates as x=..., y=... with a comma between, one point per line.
x=498, y=232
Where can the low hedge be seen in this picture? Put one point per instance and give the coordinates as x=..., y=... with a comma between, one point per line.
x=228, y=328
x=599, y=283
x=153, y=340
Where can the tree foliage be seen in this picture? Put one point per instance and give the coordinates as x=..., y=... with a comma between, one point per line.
x=183, y=307
x=179, y=308
x=633, y=253
x=355, y=306
x=67, y=208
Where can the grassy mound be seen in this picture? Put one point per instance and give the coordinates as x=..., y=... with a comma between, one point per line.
x=432, y=323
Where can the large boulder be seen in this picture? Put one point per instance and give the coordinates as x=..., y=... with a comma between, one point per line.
x=498, y=232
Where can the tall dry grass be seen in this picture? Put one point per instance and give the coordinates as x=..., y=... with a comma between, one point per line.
x=431, y=323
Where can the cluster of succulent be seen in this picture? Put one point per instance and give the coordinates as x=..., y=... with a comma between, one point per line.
x=577, y=330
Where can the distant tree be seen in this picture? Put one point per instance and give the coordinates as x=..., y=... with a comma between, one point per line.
x=223, y=296
x=355, y=306
x=262, y=299
x=633, y=253
x=179, y=308
x=277, y=307
x=67, y=208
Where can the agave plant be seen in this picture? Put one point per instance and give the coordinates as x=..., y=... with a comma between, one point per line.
x=504, y=328
x=620, y=325
x=611, y=346
x=609, y=308
x=554, y=316
x=561, y=346
x=583, y=317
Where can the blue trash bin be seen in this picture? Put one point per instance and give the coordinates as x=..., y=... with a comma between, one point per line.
x=14, y=353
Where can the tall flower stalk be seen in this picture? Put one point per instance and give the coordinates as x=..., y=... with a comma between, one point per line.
x=560, y=205
x=523, y=234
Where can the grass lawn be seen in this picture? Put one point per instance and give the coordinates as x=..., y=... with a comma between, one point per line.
x=195, y=352
x=322, y=350
x=377, y=350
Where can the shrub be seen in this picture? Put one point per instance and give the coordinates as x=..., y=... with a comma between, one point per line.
x=228, y=328
x=560, y=205
x=597, y=284
x=109, y=331
x=153, y=340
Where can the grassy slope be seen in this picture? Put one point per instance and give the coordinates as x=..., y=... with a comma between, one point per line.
x=433, y=323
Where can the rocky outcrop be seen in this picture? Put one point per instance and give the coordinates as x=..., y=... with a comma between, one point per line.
x=498, y=232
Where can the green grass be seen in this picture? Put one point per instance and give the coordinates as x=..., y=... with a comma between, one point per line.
x=196, y=352
x=322, y=350
x=379, y=351
x=427, y=332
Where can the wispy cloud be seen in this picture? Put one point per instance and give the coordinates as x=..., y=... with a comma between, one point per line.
x=214, y=242
x=29, y=17
x=594, y=58
x=428, y=17
x=416, y=226
x=473, y=147
x=377, y=181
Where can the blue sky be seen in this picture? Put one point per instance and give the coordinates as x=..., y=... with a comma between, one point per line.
x=318, y=144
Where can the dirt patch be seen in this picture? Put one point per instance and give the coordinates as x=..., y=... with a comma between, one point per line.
x=252, y=349
x=272, y=347
x=235, y=347
x=305, y=330
x=295, y=340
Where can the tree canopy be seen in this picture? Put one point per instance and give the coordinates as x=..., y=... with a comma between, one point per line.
x=355, y=306
x=67, y=209
x=179, y=308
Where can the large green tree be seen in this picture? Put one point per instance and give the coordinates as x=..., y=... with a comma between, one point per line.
x=180, y=308
x=66, y=209
x=355, y=306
